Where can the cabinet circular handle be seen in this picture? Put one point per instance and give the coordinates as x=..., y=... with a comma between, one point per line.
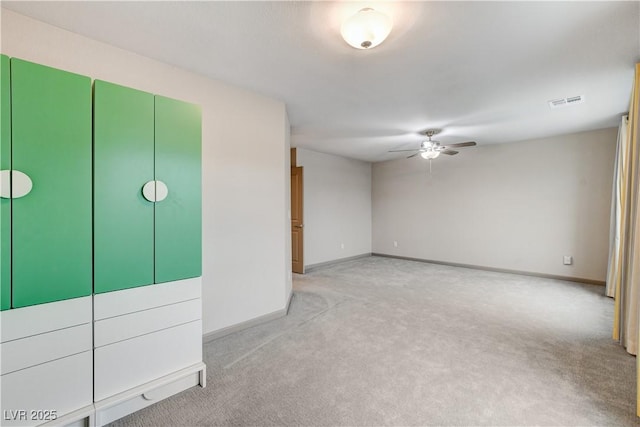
x=161, y=191
x=149, y=191
x=5, y=184
x=14, y=184
x=155, y=191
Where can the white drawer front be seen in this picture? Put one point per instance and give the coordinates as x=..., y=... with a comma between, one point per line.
x=114, y=329
x=37, y=319
x=37, y=349
x=64, y=385
x=117, y=303
x=131, y=363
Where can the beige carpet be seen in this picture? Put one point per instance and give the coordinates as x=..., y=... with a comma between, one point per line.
x=387, y=342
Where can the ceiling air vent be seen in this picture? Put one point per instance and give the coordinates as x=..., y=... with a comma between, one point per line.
x=565, y=102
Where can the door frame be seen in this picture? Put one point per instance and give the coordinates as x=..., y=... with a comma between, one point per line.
x=297, y=224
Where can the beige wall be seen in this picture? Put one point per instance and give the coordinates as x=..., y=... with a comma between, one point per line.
x=245, y=224
x=337, y=206
x=518, y=206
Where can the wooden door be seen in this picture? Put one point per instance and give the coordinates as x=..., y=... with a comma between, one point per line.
x=123, y=147
x=297, y=230
x=51, y=144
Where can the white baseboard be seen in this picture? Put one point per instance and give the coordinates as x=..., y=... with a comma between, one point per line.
x=312, y=267
x=289, y=302
x=498, y=270
x=211, y=336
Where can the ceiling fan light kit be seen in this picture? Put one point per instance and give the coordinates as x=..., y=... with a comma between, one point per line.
x=432, y=149
x=366, y=29
x=430, y=154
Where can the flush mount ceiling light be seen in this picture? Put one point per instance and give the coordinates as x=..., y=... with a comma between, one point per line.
x=366, y=29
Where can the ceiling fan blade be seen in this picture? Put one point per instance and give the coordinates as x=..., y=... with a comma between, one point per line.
x=398, y=151
x=449, y=152
x=413, y=155
x=461, y=144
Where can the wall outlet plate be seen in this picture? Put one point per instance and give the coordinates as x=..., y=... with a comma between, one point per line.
x=567, y=260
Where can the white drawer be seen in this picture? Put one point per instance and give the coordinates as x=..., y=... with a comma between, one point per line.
x=127, y=301
x=34, y=350
x=114, y=329
x=64, y=385
x=37, y=319
x=133, y=362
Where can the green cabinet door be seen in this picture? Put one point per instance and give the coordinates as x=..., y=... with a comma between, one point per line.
x=178, y=218
x=51, y=143
x=123, y=163
x=5, y=203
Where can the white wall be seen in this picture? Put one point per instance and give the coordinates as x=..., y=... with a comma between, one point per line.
x=287, y=208
x=245, y=225
x=337, y=206
x=518, y=206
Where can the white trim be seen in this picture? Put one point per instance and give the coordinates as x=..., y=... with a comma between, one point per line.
x=286, y=309
x=312, y=267
x=211, y=336
x=498, y=270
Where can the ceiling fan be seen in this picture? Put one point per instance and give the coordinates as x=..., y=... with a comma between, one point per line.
x=432, y=149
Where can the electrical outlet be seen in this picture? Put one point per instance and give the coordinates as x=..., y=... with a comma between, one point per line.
x=341, y=245
x=395, y=244
x=567, y=260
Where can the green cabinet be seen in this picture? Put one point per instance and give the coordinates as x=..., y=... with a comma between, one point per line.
x=56, y=240
x=51, y=225
x=123, y=163
x=140, y=139
x=5, y=165
x=178, y=165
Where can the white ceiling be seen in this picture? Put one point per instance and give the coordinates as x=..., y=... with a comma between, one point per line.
x=480, y=71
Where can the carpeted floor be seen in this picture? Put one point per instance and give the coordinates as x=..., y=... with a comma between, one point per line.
x=387, y=342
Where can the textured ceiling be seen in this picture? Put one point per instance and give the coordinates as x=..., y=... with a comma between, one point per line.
x=480, y=71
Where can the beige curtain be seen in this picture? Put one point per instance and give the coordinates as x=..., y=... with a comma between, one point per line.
x=613, y=270
x=623, y=277
x=633, y=256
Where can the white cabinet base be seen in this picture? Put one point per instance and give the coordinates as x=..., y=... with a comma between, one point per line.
x=130, y=401
x=127, y=364
x=147, y=346
x=92, y=360
x=47, y=363
x=84, y=417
